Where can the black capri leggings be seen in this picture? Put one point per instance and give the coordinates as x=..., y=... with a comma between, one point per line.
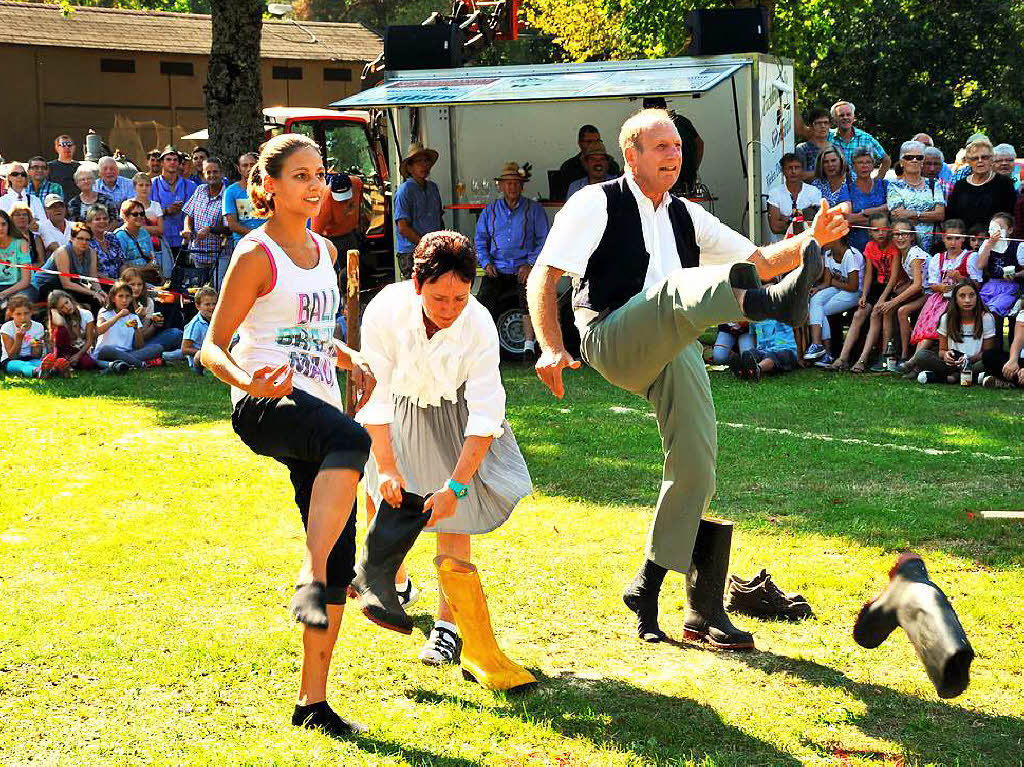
x=307, y=434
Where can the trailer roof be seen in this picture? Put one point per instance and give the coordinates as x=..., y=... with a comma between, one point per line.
x=547, y=82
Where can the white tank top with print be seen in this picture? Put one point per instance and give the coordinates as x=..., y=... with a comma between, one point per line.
x=293, y=324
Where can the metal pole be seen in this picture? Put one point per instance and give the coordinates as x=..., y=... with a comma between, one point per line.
x=352, y=321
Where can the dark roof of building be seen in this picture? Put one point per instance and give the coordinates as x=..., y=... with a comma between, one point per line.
x=114, y=29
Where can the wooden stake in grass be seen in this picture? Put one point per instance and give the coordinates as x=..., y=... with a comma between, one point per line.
x=352, y=321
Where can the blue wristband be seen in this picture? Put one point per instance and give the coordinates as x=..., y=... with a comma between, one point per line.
x=458, y=488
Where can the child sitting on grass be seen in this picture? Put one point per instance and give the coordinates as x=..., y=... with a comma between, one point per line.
x=966, y=330
x=945, y=270
x=72, y=332
x=197, y=327
x=23, y=341
x=153, y=329
x=902, y=292
x=879, y=256
x=120, y=333
x=1005, y=370
x=775, y=351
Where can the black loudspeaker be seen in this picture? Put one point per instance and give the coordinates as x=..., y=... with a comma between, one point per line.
x=434, y=46
x=728, y=30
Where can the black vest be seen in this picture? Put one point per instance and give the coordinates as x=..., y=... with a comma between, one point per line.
x=616, y=270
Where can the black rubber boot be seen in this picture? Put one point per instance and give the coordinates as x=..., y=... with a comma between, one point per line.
x=786, y=301
x=912, y=601
x=706, y=620
x=388, y=539
x=641, y=596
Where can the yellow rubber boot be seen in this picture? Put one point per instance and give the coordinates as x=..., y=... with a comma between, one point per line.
x=481, y=656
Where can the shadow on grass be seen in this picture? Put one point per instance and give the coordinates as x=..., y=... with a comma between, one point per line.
x=933, y=731
x=612, y=714
x=600, y=445
x=381, y=747
x=177, y=396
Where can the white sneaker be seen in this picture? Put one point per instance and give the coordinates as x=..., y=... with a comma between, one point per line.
x=825, y=361
x=814, y=351
x=443, y=647
x=409, y=594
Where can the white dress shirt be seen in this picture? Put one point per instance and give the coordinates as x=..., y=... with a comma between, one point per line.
x=780, y=197
x=580, y=225
x=408, y=364
x=11, y=197
x=52, y=234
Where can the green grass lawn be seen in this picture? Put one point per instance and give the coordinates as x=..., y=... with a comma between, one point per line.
x=146, y=558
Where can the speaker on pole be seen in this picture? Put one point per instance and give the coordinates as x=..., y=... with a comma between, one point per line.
x=431, y=46
x=728, y=30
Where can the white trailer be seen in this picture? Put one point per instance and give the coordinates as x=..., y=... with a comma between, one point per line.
x=480, y=117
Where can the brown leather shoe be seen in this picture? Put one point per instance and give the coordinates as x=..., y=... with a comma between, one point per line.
x=761, y=598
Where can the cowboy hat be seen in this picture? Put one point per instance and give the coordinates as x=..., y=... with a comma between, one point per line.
x=511, y=171
x=416, y=149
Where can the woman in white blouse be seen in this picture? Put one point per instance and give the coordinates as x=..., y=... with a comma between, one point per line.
x=437, y=416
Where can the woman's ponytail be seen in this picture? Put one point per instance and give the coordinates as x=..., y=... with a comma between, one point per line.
x=262, y=203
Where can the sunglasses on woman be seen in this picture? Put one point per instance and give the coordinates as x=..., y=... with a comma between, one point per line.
x=18, y=174
x=913, y=157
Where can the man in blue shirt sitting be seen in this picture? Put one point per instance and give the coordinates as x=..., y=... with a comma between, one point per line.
x=509, y=236
x=417, y=206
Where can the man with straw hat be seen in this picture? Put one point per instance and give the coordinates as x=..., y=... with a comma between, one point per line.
x=509, y=235
x=598, y=162
x=417, y=204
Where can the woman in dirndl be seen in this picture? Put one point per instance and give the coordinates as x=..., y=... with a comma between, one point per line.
x=437, y=415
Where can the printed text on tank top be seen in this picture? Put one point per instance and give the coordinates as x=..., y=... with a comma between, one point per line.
x=308, y=336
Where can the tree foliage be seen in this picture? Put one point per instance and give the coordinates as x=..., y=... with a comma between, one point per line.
x=948, y=68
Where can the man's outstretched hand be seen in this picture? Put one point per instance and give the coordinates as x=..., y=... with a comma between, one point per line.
x=549, y=369
x=830, y=223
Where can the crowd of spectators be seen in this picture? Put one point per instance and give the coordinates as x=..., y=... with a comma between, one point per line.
x=100, y=256
x=929, y=277
x=928, y=280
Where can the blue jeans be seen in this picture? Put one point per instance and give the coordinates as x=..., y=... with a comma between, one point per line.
x=170, y=342
x=132, y=357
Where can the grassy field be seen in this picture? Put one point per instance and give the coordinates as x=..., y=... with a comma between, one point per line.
x=146, y=558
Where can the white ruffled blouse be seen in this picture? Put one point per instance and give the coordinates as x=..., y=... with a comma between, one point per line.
x=408, y=364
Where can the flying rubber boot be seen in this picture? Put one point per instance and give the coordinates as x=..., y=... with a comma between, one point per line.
x=389, y=538
x=482, y=659
x=912, y=601
x=706, y=620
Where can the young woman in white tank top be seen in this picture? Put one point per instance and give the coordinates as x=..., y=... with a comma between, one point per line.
x=281, y=296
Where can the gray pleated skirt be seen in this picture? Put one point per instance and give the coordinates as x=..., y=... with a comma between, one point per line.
x=428, y=441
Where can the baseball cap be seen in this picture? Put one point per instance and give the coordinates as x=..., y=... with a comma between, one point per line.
x=341, y=187
x=52, y=199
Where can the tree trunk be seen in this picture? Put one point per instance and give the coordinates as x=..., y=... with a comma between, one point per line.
x=234, y=93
